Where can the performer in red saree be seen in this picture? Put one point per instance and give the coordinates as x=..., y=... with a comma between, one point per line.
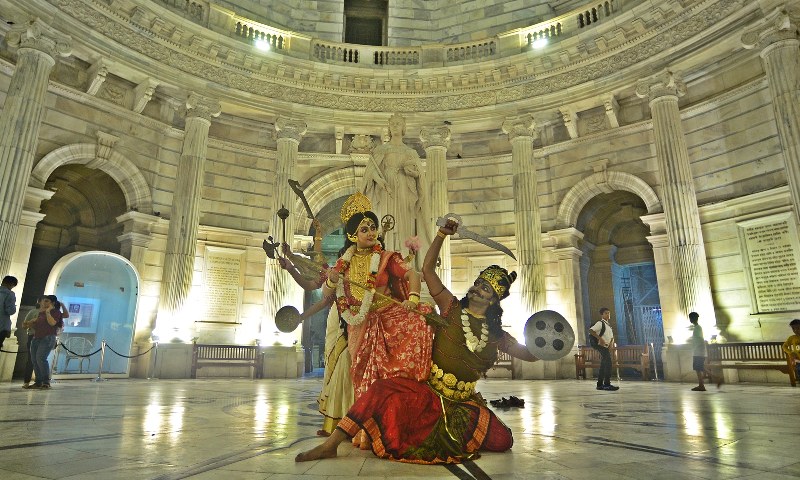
x=385, y=339
x=443, y=420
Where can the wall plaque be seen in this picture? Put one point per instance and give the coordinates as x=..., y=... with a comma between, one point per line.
x=773, y=262
x=223, y=271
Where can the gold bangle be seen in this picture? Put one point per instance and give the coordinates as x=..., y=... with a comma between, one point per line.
x=440, y=234
x=413, y=293
x=330, y=284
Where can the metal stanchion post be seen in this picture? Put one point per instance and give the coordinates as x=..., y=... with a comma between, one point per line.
x=655, y=365
x=155, y=361
x=616, y=360
x=102, y=358
x=56, y=352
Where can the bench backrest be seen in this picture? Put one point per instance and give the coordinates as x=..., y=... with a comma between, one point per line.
x=625, y=353
x=226, y=352
x=745, y=352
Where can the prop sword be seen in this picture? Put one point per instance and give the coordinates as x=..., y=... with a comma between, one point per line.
x=299, y=191
x=463, y=232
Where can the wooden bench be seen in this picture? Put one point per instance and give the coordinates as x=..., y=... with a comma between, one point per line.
x=627, y=356
x=227, y=356
x=752, y=355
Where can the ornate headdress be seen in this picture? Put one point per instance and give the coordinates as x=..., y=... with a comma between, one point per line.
x=499, y=278
x=356, y=205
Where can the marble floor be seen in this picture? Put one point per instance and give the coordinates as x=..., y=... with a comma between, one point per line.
x=235, y=429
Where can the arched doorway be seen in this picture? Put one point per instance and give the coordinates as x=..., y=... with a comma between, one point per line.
x=81, y=216
x=315, y=329
x=101, y=292
x=618, y=269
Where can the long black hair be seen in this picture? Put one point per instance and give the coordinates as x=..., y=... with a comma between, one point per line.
x=494, y=317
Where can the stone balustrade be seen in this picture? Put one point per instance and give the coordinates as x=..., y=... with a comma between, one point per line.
x=364, y=54
x=228, y=22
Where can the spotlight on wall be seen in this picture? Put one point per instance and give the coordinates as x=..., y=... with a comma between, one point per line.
x=262, y=45
x=539, y=43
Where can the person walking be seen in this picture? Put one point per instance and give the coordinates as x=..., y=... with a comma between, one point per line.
x=603, y=339
x=698, y=351
x=8, y=307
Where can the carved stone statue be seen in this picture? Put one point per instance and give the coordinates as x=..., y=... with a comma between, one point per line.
x=393, y=180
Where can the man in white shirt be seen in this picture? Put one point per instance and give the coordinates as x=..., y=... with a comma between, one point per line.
x=603, y=337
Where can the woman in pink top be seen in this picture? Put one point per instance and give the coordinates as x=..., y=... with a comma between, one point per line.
x=44, y=339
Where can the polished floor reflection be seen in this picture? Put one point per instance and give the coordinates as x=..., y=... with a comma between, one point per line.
x=242, y=429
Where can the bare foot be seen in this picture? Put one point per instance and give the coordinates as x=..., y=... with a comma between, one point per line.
x=317, y=453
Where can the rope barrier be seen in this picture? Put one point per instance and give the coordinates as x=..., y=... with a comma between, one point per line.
x=61, y=344
x=130, y=356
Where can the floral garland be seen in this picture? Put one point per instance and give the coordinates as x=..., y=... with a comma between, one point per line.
x=366, y=302
x=473, y=343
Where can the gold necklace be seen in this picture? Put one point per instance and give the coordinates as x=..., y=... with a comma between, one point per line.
x=474, y=314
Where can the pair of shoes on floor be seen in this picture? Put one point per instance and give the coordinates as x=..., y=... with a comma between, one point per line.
x=45, y=386
x=509, y=402
x=608, y=388
x=34, y=386
x=699, y=388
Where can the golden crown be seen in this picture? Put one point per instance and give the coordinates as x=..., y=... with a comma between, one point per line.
x=355, y=203
x=497, y=277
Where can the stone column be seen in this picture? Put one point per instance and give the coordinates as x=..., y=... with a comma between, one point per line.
x=569, y=268
x=134, y=242
x=521, y=132
x=435, y=141
x=778, y=40
x=38, y=47
x=31, y=215
x=673, y=321
x=687, y=253
x=184, y=220
x=278, y=285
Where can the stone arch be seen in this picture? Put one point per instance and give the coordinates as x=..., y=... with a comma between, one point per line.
x=123, y=171
x=599, y=183
x=324, y=189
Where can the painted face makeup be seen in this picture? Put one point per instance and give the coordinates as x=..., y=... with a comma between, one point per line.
x=367, y=234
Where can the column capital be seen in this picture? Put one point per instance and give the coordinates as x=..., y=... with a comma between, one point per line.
x=136, y=222
x=565, y=238
x=524, y=126
x=435, y=137
x=290, y=129
x=36, y=35
x=664, y=84
x=775, y=30
x=199, y=106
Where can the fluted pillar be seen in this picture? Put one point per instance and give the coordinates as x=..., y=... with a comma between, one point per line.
x=687, y=253
x=279, y=286
x=184, y=219
x=778, y=40
x=435, y=141
x=38, y=47
x=569, y=255
x=521, y=132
